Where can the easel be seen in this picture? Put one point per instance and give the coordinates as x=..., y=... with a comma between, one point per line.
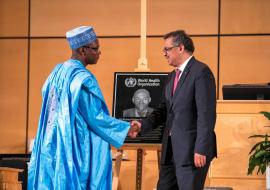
x=141, y=148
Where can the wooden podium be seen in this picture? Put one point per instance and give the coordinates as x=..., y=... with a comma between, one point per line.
x=9, y=179
x=140, y=148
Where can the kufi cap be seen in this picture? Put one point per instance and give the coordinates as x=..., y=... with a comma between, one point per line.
x=80, y=36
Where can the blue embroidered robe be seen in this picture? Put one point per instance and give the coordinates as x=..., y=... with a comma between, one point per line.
x=72, y=145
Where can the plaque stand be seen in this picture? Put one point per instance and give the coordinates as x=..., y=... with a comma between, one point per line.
x=140, y=148
x=142, y=62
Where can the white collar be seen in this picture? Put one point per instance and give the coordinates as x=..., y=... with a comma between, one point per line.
x=183, y=65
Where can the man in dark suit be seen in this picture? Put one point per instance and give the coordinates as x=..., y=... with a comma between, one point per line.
x=189, y=110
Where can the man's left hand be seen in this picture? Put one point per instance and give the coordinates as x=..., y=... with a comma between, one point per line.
x=199, y=160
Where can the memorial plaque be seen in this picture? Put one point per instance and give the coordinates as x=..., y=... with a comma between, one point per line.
x=137, y=95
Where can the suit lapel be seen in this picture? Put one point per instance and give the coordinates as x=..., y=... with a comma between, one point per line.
x=169, y=87
x=183, y=77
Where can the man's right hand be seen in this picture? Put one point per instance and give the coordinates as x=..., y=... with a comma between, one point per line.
x=135, y=128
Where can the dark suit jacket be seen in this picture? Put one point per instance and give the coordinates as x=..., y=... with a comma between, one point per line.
x=190, y=114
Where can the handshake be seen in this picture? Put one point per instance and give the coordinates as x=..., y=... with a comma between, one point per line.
x=135, y=128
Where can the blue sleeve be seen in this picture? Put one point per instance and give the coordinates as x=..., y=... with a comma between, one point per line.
x=95, y=113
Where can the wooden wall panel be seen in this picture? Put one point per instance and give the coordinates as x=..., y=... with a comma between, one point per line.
x=243, y=106
x=206, y=51
x=244, y=60
x=154, y=55
x=13, y=95
x=150, y=176
x=54, y=18
x=128, y=175
x=14, y=18
x=194, y=16
x=245, y=16
x=234, y=148
x=45, y=54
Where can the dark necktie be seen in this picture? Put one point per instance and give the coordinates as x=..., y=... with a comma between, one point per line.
x=176, y=79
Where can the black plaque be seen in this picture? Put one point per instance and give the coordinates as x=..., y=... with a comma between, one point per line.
x=136, y=95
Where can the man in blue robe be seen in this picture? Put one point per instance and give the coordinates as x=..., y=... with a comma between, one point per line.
x=72, y=145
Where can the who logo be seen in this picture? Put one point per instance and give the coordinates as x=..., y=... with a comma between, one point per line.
x=130, y=82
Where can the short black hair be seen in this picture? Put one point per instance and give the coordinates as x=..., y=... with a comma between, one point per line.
x=181, y=37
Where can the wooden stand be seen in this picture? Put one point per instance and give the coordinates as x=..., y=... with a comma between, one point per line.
x=142, y=62
x=140, y=148
x=9, y=179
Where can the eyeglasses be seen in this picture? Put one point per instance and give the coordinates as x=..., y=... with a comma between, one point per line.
x=96, y=49
x=167, y=49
